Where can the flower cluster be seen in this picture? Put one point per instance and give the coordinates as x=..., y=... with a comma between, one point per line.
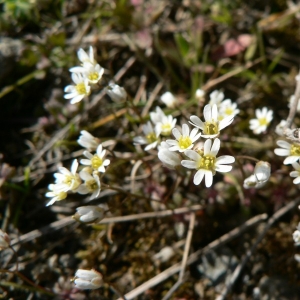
x=87, y=181
x=183, y=150
x=161, y=125
x=84, y=76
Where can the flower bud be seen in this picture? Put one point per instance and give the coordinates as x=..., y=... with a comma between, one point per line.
x=89, y=214
x=262, y=171
x=4, y=240
x=116, y=92
x=169, y=100
x=88, y=279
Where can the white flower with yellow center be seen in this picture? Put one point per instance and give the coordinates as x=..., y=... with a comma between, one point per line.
x=207, y=164
x=292, y=151
x=96, y=161
x=78, y=91
x=91, y=184
x=296, y=173
x=150, y=137
x=184, y=140
x=228, y=109
x=212, y=126
x=67, y=180
x=163, y=124
x=56, y=193
x=262, y=121
x=88, y=141
x=88, y=279
x=93, y=73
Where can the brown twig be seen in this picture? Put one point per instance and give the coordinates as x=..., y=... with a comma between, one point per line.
x=184, y=258
x=194, y=257
x=250, y=252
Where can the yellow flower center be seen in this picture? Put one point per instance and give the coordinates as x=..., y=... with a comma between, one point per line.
x=151, y=138
x=263, y=122
x=81, y=89
x=228, y=111
x=295, y=150
x=91, y=185
x=93, y=76
x=184, y=142
x=211, y=128
x=207, y=162
x=166, y=129
x=96, y=162
x=61, y=195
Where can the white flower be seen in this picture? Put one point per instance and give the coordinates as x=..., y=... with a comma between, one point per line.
x=292, y=151
x=86, y=58
x=251, y=182
x=227, y=109
x=88, y=279
x=92, y=72
x=263, y=119
x=296, y=173
x=89, y=214
x=207, y=164
x=88, y=141
x=280, y=127
x=199, y=94
x=79, y=91
x=163, y=124
x=96, y=161
x=150, y=137
x=116, y=92
x=296, y=235
x=216, y=97
x=262, y=172
x=168, y=99
x=4, y=240
x=56, y=193
x=184, y=140
x=67, y=180
x=91, y=184
x=212, y=126
x=291, y=102
x=169, y=158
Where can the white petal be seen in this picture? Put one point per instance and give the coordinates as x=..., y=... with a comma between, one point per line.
x=282, y=152
x=223, y=168
x=215, y=147
x=225, y=159
x=207, y=146
x=196, y=122
x=283, y=144
x=208, y=178
x=199, y=176
x=176, y=133
x=207, y=112
x=185, y=130
x=190, y=164
x=290, y=160
x=192, y=155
